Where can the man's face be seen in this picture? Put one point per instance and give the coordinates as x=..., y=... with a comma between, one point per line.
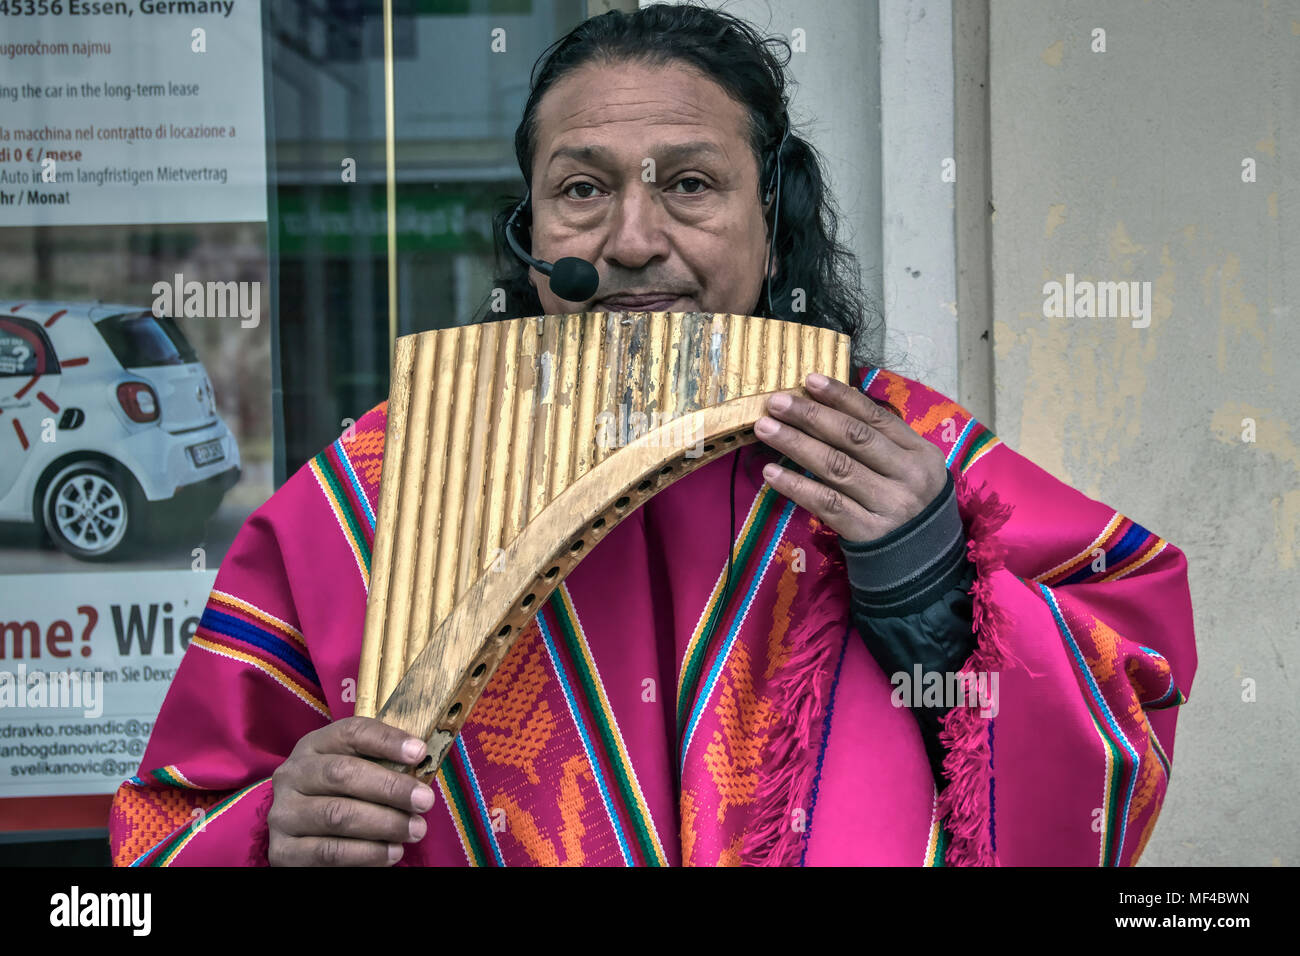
x=647, y=173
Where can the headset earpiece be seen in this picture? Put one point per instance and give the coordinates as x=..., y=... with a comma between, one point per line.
x=523, y=214
x=767, y=179
x=772, y=166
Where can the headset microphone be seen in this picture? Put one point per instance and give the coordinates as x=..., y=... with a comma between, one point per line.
x=572, y=279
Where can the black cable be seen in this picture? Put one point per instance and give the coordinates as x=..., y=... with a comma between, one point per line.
x=731, y=541
x=776, y=217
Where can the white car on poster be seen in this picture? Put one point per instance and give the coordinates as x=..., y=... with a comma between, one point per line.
x=108, y=426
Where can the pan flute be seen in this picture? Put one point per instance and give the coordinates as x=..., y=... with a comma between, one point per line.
x=512, y=448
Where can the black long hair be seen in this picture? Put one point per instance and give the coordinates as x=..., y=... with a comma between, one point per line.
x=813, y=264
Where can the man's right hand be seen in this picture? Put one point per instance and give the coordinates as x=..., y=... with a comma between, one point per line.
x=333, y=807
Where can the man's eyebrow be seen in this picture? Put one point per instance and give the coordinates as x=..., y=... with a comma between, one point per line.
x=667, y=154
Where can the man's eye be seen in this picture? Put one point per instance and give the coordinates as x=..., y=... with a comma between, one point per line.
x=692, y=179
x=569, y=192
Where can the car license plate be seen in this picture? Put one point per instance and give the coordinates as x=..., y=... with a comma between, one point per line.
x=207, y=453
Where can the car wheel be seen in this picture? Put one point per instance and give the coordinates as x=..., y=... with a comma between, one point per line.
x=90, y=511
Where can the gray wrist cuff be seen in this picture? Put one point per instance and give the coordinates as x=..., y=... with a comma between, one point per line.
x=912, y=566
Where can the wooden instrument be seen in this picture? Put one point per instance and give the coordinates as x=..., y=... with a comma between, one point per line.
x=512, y=448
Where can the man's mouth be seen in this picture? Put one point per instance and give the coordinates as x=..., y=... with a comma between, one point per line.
x=645, y=302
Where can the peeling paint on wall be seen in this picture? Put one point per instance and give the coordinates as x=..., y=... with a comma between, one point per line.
x=1286, y=523
x=1123, y=249
x=1273, y=442
x=1237, y=315
x=1055, y=217
x=1272, y=432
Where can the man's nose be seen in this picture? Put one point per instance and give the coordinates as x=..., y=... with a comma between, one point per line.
x=637, y=233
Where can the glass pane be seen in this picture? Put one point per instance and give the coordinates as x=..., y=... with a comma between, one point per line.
x=456, y=106
x=141, y=341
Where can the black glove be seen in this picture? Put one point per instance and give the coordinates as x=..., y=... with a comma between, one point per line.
x=911, y=602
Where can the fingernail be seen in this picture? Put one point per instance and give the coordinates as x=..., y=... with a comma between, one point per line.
x=780, y=401
x=412, y=749
x=765, y=426
x=422, y=798
x=770, y=471
x=418, y=828
x=394, y=852
x=817, y=381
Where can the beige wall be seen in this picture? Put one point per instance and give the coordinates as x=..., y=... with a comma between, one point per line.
x=1127, y=165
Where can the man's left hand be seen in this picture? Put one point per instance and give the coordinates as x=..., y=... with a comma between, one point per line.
x=876, y=472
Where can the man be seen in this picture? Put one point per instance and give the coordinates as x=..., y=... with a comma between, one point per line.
x=668, y=705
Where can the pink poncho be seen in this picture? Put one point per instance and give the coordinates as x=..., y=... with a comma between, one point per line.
x=612, y=736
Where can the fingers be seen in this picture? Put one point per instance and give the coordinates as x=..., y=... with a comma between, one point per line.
x=337, y=764
x=335, y=830
x=870, y=471
x=840, y=513
x=334, y=806
x=858, y=432
x=367, y=737
x=341, y=816
x=915, y=468
x=343, y=775
x=859, y=404
x=859, y=490
x=332, y=851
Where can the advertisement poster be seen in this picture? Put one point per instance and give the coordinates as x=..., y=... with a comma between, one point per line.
x=135, y=368
x=95, y=661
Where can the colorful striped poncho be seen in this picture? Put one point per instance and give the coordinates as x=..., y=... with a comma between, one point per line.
x=613, y=735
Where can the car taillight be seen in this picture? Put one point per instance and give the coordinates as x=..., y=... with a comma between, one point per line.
x=138, y=401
